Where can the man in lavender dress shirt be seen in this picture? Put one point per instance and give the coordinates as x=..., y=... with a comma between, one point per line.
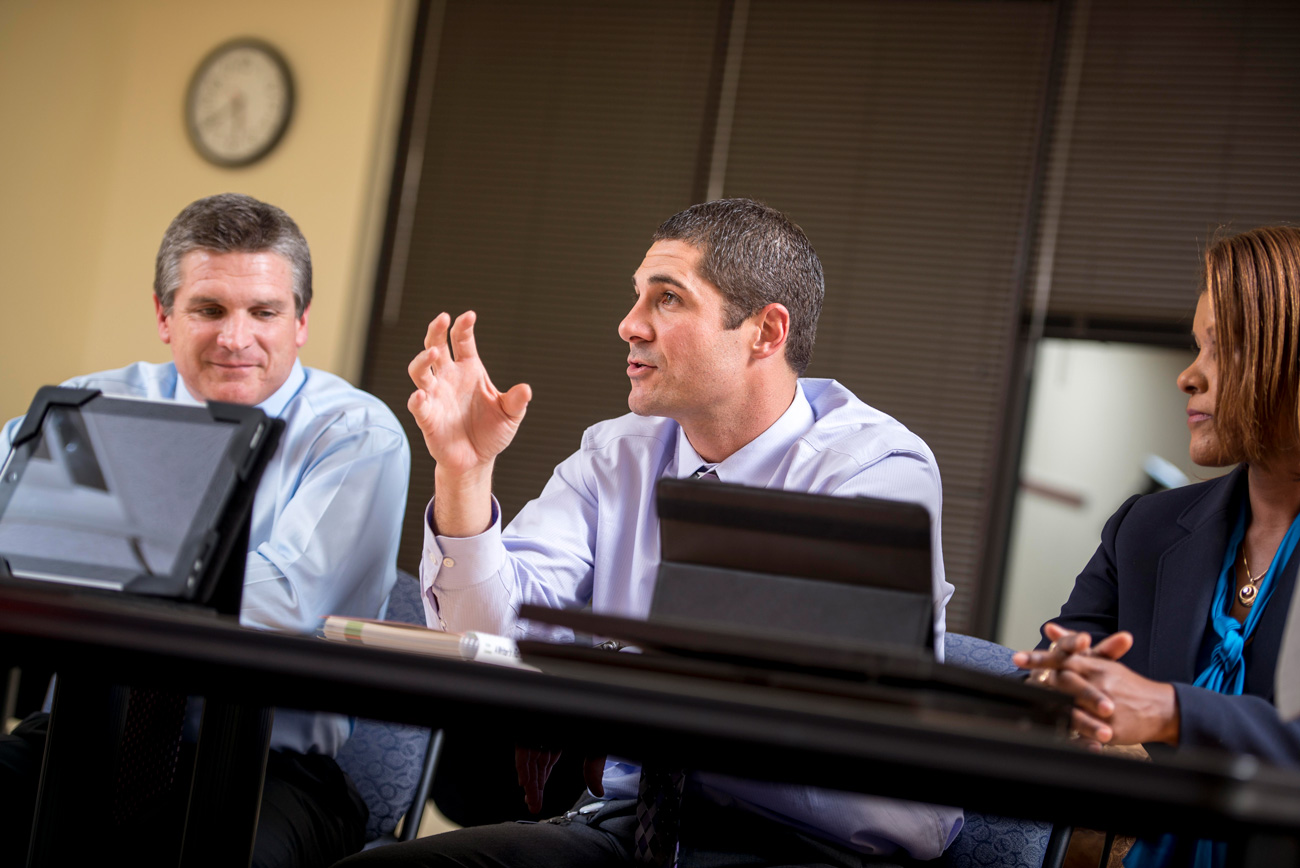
x=722, y=327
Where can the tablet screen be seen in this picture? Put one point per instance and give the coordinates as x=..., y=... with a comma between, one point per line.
x=109, y=491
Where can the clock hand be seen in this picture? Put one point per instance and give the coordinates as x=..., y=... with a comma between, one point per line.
x=237, y=119
x=215, y=115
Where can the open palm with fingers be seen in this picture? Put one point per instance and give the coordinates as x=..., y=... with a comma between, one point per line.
x=465, y=420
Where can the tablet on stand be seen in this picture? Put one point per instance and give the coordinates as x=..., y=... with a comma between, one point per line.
x=146, y=498
x=149, y=501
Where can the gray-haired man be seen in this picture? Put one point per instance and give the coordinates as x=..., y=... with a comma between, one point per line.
x=232, y=296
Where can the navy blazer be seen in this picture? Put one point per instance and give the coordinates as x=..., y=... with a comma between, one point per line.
x=1154, y=574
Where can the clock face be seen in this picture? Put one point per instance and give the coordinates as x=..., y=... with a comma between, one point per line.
x=239, y=103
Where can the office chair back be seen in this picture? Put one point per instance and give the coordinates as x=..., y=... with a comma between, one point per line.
x=393, y=764
x=988, y=840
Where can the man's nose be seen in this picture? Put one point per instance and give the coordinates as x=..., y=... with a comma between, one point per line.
x=634, y=326
x=235, y=333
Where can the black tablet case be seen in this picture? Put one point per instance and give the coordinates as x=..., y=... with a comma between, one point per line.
x=796, y=565
x=208, y=566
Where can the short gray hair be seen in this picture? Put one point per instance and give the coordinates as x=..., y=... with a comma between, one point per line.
x=755, y=256
x=232, y=223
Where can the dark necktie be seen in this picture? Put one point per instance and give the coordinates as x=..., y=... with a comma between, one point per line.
x=659, y=795
x=658, y=814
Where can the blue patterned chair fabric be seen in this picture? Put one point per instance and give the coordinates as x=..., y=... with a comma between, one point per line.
x=987, y=840
x=385, y=759
x=979, y=654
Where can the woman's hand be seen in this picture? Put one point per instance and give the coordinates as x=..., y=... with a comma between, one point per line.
x=1131, y=710
x=1113, y=704
x=1043, y=664
x=1045, y=670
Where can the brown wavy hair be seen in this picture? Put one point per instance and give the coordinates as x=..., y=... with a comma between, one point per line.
x=1254, y=284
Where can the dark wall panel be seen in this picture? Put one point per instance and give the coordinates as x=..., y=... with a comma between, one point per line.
x=1188, y=118
x=560, y=135
x=901, y=137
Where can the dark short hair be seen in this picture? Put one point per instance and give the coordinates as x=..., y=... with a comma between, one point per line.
x=231, y=223
x=1254, y=284
x=755, y=256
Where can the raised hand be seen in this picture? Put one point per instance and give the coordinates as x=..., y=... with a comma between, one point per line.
x=465, y=420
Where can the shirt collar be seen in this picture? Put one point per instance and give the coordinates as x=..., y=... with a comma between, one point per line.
x=272, y=406
x=756, y=459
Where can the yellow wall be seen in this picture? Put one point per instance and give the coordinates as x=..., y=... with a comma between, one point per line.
x=95, y=161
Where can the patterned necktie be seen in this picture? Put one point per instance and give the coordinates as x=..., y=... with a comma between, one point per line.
x=658, y=815
x=659, y=795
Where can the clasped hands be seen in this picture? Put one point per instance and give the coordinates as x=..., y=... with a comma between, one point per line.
x=1112, y=703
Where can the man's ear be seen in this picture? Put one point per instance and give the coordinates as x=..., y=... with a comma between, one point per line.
x=773, y=323
x=164, y=328
x=301, y=337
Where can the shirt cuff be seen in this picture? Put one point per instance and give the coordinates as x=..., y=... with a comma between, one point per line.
x=455, y=563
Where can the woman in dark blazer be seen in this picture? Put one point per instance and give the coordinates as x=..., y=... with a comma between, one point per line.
x=1172, y=631
x=1154, y=577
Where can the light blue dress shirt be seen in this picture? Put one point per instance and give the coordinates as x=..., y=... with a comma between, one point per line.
x=326, y=519
x=593, y=536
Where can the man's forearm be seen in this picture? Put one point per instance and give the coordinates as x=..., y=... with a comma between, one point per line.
x=462, y=502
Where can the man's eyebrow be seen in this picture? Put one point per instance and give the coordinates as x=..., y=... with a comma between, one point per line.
x=271, y=302
x=663, y=278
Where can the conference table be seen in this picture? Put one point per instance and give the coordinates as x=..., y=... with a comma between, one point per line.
x=708, y=724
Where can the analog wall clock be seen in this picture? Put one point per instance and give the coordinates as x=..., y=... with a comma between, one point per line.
x=239, y=102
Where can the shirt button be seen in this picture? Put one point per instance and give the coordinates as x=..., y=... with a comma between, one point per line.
x=442, y=623
x=449, y=562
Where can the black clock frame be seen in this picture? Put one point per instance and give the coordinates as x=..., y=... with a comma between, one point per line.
x=290, y=97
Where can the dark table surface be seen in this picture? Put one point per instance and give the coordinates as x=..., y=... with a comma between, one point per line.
x=702, y=723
